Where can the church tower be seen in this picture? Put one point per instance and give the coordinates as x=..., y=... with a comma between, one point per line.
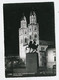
x=27, y=34
x=32, y=18
x=23, y=37
x=33, y=28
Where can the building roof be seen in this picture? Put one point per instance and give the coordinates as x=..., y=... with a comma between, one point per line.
x=42, y=42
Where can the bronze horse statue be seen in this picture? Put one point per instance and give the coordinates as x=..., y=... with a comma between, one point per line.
x=32, y=45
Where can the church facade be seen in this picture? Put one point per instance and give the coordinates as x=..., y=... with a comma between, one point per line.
x=30, y=32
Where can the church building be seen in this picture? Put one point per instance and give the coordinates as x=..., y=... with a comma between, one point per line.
x=30, y=32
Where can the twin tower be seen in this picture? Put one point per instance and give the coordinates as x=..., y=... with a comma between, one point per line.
x=27, y=33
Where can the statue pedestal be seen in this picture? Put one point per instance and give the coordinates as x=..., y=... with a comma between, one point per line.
x=32, y=62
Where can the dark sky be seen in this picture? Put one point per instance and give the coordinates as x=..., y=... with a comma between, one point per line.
x=12, y=16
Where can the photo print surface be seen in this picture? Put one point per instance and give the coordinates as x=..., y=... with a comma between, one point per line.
x=29, y=39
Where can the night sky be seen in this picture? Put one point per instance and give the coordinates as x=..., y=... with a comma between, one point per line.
x=12, y=16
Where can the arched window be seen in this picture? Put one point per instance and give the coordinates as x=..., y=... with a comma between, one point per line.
x=30, y=29
x=25, y=40
x=35, y=28
x=55, y=58
x=30, y=37
x=35, y=36
x=25, y=32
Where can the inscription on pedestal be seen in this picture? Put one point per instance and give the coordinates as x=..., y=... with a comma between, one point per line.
x=32, y=62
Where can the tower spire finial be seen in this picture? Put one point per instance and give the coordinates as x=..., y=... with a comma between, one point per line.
x=23, y=17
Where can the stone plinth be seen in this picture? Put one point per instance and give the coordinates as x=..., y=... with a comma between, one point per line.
x=32, y=62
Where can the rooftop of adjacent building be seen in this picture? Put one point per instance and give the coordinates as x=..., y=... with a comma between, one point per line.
x=43, y=42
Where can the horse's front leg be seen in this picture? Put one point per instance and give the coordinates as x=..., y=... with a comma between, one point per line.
x=29, y=49
x=32, y=50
